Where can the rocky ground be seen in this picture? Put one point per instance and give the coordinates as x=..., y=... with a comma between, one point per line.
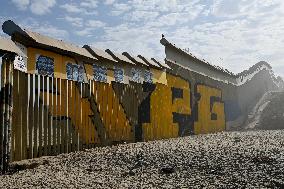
x=253, y=159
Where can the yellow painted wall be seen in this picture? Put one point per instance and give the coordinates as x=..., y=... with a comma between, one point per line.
x=204, y=123
x=110, y=72
x=89, y=71
x=112, y=113
x=181, y=106
x=110, y=76
x=59, y=61
x=67, y=101
x=159, y=76
x=118, y=126
x=71, y=104
x=162, y=108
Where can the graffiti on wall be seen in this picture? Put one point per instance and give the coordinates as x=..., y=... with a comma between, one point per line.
x=210, y=110
x=169, y=110
x=63, y=115
x=142, y=112
x=45, y=65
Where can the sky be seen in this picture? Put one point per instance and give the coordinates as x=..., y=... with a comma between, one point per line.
x=233, y=34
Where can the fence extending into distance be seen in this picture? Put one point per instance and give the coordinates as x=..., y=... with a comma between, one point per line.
x=53, y=116
x=44, y=115
x=58, y=98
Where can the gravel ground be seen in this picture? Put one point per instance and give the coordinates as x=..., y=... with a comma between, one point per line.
x=253, y=159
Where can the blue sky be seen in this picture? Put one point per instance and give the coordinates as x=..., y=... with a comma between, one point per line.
x=234, y=34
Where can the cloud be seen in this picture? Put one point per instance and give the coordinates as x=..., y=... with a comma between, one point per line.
x=143, y=22
x=71, y=8
x=89, y=28
x=240, y=40
x=232, y=34
x=120, y=8
x=2, y=20
x=52, y=31
x=89, y=4
x=44, y=28
x=141, y=16
x=136, y=40
x=158, y=13
x=41, y=7
x=86, y=7
x=86, y=32
x=109, y=2
x=75, y=21
x=233, y=9
x=38, y=7
x=21, y=4
x=95, y=24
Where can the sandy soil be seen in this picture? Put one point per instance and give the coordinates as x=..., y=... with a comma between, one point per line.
x=253, y=159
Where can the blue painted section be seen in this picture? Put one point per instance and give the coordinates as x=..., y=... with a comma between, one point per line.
x=100, y=73
x=118, y=74
x=45, y=65
x=148, y=76
x=136, y=75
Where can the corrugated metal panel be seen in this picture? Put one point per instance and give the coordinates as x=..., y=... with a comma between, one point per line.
x=9, y=46
x=163, y=64
x=119, y=57
x=59, y=44
x=99, y=53
x=134, y=59
x=148, y=61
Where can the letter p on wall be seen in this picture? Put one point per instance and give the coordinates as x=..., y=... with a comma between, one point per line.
x=171, y=114
x=210, y=109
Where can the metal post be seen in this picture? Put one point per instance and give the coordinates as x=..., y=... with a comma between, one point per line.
x=6, y=102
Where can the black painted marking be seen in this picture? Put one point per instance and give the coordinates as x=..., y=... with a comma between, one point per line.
x=148, y=87
x=4, y=98
x=195, y=106
x=144, y=111
x=185, y=122
x=214, y=116
x=214, y=99
x=176, y=93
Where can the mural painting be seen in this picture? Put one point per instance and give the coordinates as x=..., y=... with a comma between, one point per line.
x=210, y=110
x=63, y=115
x=168, y=111
x=66, y=111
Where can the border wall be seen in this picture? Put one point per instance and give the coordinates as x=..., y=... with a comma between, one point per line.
x=240, y=93
x=63, y=98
